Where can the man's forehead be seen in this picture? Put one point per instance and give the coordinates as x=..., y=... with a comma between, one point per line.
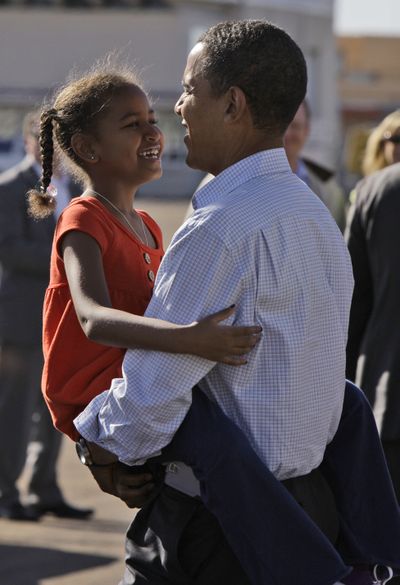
x=194, y=60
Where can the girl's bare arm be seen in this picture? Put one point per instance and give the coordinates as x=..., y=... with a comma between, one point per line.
x=104, y=324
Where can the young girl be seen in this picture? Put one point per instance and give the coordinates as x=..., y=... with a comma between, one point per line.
x=105, y=253
x=104, y=260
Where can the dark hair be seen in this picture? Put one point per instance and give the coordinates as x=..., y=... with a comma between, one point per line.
x=261, y=59
x=77, y=107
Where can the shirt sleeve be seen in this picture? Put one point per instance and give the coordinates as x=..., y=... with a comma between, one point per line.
x=84, y=217
x=141, y=412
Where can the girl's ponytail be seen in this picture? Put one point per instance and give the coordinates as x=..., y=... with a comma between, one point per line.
x=41, y=201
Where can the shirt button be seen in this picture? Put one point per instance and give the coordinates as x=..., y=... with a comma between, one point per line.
x=150, y=275
x=147, y=258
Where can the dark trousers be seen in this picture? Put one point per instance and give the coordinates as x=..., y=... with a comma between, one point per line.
x=272, y=536
x=20, y=400
x=392, y=454
x=176, y=541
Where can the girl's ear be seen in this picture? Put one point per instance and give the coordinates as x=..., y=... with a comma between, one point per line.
x=236, y=104
x=84, y=148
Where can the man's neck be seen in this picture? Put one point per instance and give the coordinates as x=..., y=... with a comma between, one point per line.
x=293, y=162
x=247, y=146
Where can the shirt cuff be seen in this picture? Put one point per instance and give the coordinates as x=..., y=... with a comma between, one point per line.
x=87, y=422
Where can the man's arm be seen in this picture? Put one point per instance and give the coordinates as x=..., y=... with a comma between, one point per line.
x=141, y=412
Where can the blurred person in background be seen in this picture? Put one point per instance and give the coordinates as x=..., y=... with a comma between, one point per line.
x=319, y=179
x=373, y=238
x=381, y=149
x=383, y=145
x=24, y=264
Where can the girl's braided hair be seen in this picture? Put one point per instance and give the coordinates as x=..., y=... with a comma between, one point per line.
x=77, y=108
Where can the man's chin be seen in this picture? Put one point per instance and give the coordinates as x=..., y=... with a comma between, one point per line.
x=194, y=164
x=191, y=162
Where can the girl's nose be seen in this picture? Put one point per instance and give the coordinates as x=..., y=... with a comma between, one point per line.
x=153, y=134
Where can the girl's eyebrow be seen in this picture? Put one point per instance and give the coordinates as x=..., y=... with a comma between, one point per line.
x=133, y=114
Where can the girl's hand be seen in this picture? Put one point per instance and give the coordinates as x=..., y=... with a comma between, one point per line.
x=222, y=343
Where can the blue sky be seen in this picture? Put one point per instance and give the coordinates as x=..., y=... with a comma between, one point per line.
x=366, y=17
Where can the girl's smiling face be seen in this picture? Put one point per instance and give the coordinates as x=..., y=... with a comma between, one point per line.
x=127, y=143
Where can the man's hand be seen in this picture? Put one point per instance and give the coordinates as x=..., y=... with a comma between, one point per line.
x=136, y=486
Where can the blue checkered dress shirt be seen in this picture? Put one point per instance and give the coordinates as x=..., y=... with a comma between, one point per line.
x=261, y=239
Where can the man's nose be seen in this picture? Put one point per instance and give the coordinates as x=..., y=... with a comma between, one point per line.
x=177, y=107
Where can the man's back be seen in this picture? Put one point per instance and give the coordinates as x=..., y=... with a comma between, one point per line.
x=294, y=279
x=288, y=271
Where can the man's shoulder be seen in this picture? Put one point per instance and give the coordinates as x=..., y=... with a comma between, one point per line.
x=259, y=205
x=387, y=178
x=379, y=186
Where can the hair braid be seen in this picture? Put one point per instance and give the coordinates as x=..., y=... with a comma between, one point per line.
x=41, y=203
x=46, y=147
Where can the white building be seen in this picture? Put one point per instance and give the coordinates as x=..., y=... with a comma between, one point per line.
x=40, y=45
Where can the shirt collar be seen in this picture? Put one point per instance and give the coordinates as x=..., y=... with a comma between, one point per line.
x=266, y=162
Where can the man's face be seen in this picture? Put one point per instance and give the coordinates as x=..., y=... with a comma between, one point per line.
x=203, y=117
x=297, y=133
x=31, y=140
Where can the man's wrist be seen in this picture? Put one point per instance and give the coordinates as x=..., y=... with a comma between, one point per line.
x=92, y=455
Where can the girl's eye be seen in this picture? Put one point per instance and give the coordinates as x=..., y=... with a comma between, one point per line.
x=154, y=122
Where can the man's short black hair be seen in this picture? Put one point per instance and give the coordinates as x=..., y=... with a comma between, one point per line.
x=264, y=61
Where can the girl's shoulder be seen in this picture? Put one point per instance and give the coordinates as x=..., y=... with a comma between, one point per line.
x=81, y=206
x=86, y=215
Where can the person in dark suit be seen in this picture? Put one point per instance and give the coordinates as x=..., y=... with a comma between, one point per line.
x=24, y=273
x=373, y=349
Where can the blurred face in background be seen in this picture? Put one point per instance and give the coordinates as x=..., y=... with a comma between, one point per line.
x=31, y=140
x=297, y=134
x=391, y=146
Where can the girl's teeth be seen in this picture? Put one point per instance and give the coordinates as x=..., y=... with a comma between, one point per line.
x=150, y=154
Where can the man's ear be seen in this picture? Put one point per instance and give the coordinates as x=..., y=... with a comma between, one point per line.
x=236, y=104
x=84, y=147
